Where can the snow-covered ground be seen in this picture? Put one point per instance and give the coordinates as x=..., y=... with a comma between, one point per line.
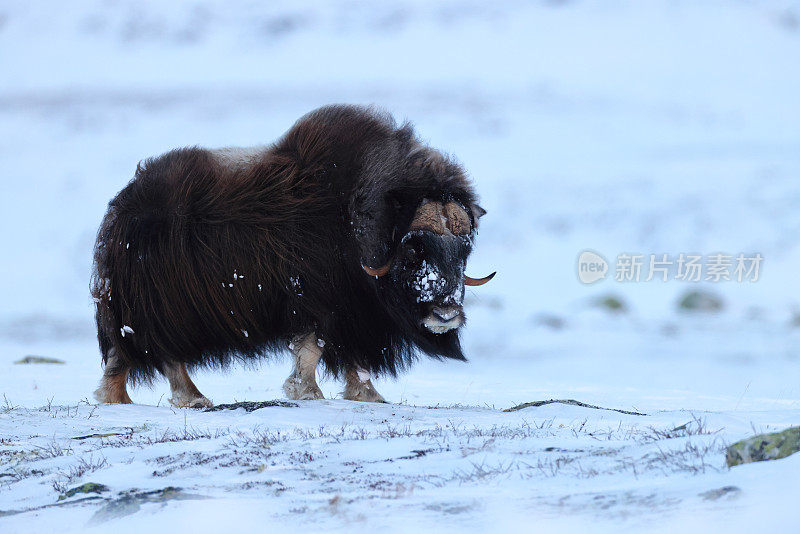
x=661, y=127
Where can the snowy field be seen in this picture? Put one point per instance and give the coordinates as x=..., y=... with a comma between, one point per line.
x=660, y=127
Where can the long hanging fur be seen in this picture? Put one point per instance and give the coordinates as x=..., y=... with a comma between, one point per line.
x=201, y=260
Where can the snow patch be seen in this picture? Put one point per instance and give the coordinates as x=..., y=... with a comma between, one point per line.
x=428, y=282
x=363, y=374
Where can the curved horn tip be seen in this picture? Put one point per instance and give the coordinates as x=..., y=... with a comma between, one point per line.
x=478, y=281
x=377, y=273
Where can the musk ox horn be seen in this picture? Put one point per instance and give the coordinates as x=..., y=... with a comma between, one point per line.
x=478, y=281
x=380, y=271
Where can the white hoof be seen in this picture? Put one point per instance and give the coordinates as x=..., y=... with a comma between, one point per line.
x=196, y=403
x=112, y=391
x=297, y=389
x=362, y=392
x=358, y=386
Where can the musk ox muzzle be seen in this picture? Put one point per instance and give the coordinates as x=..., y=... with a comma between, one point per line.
x=442, y=319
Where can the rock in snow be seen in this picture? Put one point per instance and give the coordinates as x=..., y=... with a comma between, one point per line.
x=764, y=447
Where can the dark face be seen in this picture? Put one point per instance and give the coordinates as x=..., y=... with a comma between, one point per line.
x=427, y=277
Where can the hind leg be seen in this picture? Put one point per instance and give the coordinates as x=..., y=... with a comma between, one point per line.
x=184, y=393
x=358, y=386
x=112, y=386
x=302, y=383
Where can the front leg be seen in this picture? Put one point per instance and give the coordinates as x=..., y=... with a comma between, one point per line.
x=358, y=386
x=302, y=383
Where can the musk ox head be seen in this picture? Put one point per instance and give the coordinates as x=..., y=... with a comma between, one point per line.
x=425, y=277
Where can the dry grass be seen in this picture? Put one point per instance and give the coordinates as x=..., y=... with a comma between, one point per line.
x=83, y=467
x=469, y=453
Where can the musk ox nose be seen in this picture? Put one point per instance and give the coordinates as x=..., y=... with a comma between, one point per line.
x=446, y=313
x=442, y=319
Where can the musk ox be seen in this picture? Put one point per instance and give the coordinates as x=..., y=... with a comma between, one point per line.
x=345, y=241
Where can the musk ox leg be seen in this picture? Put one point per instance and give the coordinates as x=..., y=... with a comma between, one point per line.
x=358, y=386
x=302, y=383
x=112, y=385
x=184, y=393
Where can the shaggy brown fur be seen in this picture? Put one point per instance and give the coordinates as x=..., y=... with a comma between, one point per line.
x=200, y=260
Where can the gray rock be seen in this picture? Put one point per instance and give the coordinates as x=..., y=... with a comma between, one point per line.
x=612, y=304
x=38, y=359
x=701, y=301
x=89, y=487
x=764, y=447
x=726, y=492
